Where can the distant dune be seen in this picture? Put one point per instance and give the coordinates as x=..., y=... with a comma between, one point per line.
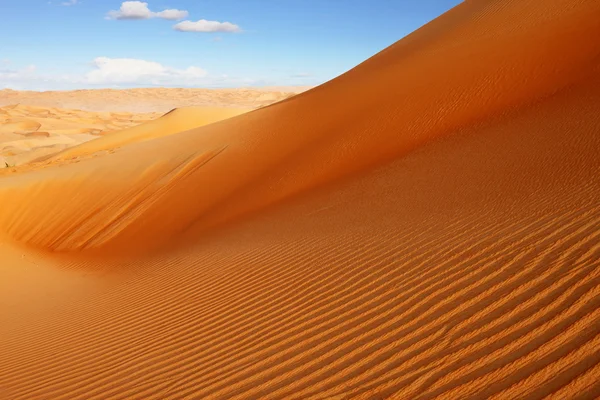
x=28, y=133
x=36, y=125
x=425, y=226
x=151, y=100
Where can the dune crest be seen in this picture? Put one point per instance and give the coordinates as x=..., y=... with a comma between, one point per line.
x=424, y=226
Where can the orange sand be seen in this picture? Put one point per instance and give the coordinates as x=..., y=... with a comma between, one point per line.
x=426, y=225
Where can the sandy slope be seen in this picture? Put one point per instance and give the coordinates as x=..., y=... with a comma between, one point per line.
x=152, y=99
x=425, y=226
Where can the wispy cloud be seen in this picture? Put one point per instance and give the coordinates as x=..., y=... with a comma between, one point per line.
x=206, y=26
x=132, y=10
x=69, y=3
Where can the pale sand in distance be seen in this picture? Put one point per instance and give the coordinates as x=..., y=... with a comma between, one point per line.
x=151, y=99
x=425, y=226
x=33, y=125
x=28, y=133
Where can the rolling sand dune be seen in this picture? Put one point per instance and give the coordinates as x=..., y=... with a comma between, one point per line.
x=151, y=99
x=426, y=225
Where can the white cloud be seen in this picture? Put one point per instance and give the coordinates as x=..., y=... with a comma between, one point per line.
x=69, y=3
x=140, y=10
x=141, y=72
x=206, y=26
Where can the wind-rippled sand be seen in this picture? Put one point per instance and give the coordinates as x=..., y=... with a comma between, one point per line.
x=425, y=226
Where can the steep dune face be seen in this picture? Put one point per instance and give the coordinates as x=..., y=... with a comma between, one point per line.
x=425, y=226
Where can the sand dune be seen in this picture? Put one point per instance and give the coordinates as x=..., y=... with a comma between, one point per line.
x=426, y=225
x=151, y=99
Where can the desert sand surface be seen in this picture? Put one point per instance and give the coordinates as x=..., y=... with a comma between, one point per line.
x=425, y=226
x=147, y=100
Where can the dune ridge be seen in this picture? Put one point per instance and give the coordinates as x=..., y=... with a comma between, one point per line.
x=403, y=231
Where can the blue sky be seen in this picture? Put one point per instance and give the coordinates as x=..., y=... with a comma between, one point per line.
x=68, y=44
